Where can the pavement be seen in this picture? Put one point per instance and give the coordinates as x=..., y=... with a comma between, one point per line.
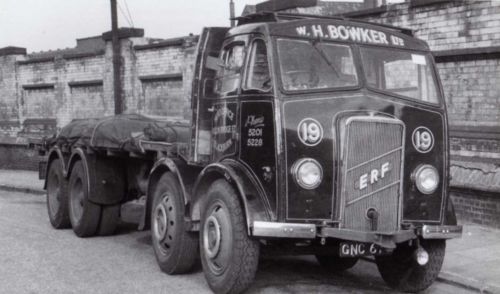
x=472, y=262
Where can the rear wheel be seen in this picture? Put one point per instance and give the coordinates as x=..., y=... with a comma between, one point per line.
x=84, y=215
x=335, y=263
x=175, y=248
x=401, y=271
x=228, y=255
x=57, y=196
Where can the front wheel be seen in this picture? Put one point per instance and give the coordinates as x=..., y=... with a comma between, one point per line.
x=401, y=271
x=229, y=256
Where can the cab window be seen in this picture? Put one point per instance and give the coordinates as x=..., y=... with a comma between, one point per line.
x=403, y=73
x=258, y=77
x=229, y=76
x=312, y=65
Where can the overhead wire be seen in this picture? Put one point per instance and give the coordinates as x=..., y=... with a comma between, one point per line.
x=124, y=15
x=129, y=14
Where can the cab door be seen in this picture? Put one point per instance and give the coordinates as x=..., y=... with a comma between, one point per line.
x=205, y=71
x=226, y=102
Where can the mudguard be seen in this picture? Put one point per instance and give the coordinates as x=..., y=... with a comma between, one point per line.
x=249, y=191
x=106, y=177
x=185, y=174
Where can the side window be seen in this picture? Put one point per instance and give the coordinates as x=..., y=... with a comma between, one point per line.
x=229, y=77
x=258, y=77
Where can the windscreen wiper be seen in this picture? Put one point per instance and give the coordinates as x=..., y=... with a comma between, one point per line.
x=325, y=57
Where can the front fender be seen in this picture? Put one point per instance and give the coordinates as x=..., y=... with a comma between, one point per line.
x=247, y=187
x=184, y=173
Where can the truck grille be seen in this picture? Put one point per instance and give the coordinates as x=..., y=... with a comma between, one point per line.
x=372, y=149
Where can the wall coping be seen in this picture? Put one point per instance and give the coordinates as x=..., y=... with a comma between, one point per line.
x=37, y=60
x=124, y=33
x=177, y=42
x=12, y=50
x=83, y=54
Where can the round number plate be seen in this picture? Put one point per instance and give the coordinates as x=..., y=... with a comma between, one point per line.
x=423, y=139
x=310, y=131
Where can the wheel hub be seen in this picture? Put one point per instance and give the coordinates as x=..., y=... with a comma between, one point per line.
x=161, y=222
x=164, y=223
x=212, y=237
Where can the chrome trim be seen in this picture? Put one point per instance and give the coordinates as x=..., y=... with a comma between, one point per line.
x=441, y=232
x=283, y=230
x=384, y=239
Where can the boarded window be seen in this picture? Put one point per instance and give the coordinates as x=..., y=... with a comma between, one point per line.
x=40, y=103
x=88, y=102
x=165, y=98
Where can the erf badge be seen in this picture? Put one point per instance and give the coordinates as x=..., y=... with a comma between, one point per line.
x=310, y=131
x=422, y=139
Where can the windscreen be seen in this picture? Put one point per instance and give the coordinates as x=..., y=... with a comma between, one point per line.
x=400, y=72
x=312, y=65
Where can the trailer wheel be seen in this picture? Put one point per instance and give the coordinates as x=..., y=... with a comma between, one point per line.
x=110, y=216
x=336, y=264
x=57, y=196
x=83, y=214
x=400, y=270
x=228, y=255
x=175, y=248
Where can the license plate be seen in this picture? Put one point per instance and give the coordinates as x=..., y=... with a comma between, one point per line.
x=355, y=249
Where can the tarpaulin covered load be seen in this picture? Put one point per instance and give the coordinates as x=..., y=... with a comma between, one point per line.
x=121, y=132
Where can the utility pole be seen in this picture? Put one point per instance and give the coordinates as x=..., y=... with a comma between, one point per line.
x=117, y=62
x=231, y=12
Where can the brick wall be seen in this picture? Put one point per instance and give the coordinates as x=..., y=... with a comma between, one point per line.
x=77, y=83
x=476, y=207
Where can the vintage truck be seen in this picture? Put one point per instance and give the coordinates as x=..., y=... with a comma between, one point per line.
x=311, y=135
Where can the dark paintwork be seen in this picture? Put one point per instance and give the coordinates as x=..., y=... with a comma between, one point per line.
x=284, y=198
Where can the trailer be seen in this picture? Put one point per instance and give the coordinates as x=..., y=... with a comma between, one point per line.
x=308, y=135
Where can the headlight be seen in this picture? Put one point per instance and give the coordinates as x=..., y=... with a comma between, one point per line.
x=426, y=178
x=307, y=173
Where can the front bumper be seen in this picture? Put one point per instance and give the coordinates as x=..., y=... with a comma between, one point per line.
x=384, y=239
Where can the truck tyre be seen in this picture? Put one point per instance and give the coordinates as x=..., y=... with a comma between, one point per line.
x=175, y=248
x=57, y=196
x=400, y=270
x=83, y=214
x=229, y=257
x=110, y=216
x=335, y=263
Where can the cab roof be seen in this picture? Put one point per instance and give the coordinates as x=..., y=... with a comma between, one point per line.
x=327, y=28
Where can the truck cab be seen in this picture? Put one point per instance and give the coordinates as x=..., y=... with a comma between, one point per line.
x=340, y=127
